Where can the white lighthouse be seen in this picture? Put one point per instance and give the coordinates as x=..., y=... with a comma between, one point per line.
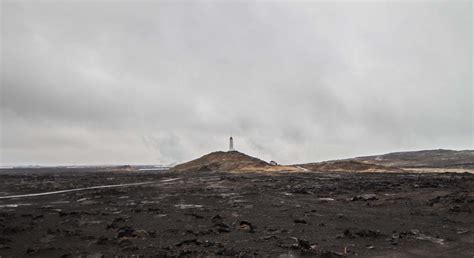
x=231, y=144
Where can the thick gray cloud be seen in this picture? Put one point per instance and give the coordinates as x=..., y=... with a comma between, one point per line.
x=86, y=82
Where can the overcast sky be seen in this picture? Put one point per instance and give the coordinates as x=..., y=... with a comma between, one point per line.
x=108, y=82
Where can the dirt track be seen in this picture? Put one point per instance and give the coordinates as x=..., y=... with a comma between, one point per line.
x=325, y=214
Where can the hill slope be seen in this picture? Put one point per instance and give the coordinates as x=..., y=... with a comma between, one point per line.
x=232, y=161
x=423, y=159
x=222, y=161
x=348, y=166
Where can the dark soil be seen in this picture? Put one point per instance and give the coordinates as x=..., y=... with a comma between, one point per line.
x=223, y=214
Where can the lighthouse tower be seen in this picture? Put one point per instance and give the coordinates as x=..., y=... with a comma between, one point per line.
x=231, y=144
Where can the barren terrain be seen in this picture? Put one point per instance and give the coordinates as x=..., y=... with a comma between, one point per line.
x=243, y=214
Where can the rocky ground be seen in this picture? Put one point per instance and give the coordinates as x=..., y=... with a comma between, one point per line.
x=211, y=213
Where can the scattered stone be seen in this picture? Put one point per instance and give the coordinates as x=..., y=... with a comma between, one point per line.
x=395, y=235
x=304, y=244
x=208, y=243
x=430, y=238
x=187, y=242
x=130, y=248
x=331, y=254
x=197, y=216
x=326, y=199
x=102, y=240
x=188, y=206
x=30, y=250
x=368, y=233
x=347, y=233
x=223, y=227
x=269, y=237
x=125, y=232
x=216, y=219
x=38, y=217
x=364, y=197
x=153, y=209
x=124, y=242
x=300, y=221
x=247, y=226
x=416, y=234
x=141, y=233
x=200, y=232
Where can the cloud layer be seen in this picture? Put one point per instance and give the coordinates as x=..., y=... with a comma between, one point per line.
x=87, y=82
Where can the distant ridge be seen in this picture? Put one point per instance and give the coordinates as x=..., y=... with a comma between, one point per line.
x=410, y=161
x=348, y=166
x=423, y=159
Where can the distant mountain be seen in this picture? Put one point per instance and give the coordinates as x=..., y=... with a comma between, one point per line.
x=424, y=159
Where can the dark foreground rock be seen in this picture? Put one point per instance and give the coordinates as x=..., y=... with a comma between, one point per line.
x=220, y=214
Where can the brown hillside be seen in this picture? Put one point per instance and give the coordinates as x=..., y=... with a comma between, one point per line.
x=222, y=161
x=348, y=166
x=426, y=158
